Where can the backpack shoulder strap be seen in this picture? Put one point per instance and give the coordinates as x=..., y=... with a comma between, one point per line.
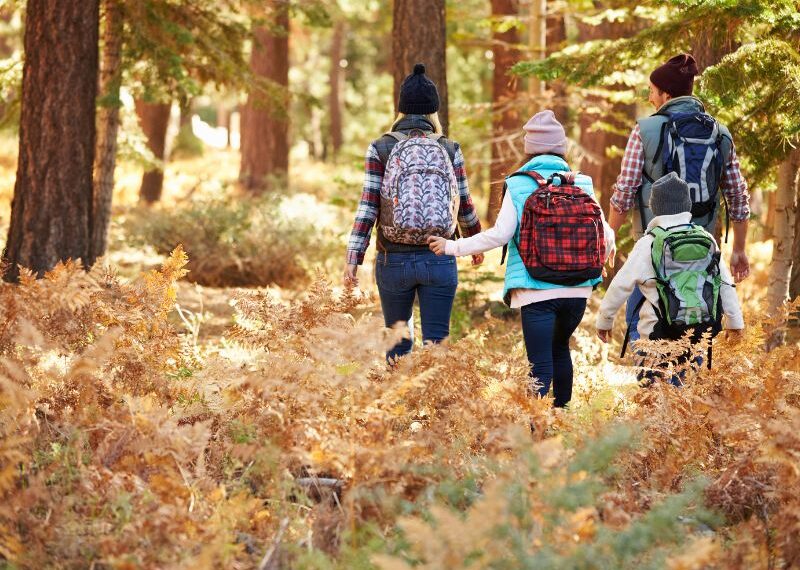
x=385, y=144
x=659, y=149
x=502, y=199
x=446, y=143
x=398, y=136
x=657, y=247
x=538, y=178
x=530, y=174
x=625, y=342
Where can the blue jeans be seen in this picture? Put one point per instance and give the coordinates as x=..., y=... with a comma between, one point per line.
x=403, y=276
x=649, y=376
x=547, y=327
x=631, y=315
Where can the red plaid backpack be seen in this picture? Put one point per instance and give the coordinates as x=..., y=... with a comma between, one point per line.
x=561, y=236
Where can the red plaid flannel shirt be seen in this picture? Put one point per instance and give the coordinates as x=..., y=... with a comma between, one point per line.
x=733, y=184
x=369, y=207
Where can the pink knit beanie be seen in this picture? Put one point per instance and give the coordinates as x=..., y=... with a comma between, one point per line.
x=545, y=135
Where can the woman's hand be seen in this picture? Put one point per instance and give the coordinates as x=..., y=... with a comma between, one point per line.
x=350, y=279
x=436, y=244
x=477, y=259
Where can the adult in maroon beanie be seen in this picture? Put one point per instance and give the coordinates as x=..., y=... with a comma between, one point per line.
x=671, y=87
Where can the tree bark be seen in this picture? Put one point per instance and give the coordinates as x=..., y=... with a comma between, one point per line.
x=783, y=242
x=596, y=142
x=6, y=50
x=794, y=283
x=336, y=81
x=419, y=35
x=265, y=122
x=51, y=213
x=556, y=38
x=154, y=119
x=709, y=48
x=505, y=118
x=769, y=216
x=107, y=125
x=224, y=121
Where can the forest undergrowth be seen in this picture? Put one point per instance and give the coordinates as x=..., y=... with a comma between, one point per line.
x=287, y=442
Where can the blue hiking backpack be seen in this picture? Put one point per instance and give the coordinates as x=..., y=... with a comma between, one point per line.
x=691, y=147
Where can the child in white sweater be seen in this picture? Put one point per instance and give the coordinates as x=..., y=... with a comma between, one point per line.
x=671, y=203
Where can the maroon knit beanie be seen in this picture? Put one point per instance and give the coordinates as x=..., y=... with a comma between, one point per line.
x=676, y=77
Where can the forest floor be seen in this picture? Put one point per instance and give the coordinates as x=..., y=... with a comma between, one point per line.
x=248, y=393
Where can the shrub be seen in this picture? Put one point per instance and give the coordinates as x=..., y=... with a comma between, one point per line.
x=235, y=241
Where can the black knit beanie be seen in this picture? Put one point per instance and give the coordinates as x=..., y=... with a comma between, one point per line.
x=418, y=94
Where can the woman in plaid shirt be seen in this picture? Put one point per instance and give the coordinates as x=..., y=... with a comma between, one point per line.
x=404, y=272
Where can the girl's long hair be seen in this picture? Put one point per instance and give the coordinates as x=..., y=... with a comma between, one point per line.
x=529, y=157
x=433, y=119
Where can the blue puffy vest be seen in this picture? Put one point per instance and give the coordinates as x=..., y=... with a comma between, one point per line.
x=519, y=188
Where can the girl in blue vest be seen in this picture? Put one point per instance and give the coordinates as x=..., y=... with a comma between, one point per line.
x=550, y=313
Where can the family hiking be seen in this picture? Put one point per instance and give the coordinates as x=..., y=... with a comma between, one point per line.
x=678, y=170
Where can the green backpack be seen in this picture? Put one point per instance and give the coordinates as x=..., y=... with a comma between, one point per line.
x=686, y=263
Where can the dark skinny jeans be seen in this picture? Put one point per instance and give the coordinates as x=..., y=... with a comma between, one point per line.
x=547, y=327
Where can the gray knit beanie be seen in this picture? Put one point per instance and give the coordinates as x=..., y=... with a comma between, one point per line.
x=670, y=195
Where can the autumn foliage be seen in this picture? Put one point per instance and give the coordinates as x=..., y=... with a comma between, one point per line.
x=289, y=443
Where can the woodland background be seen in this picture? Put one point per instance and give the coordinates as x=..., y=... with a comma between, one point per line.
x=206, y=395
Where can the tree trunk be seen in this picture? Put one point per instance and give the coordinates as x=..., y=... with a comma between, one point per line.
x=596, y=142
x=505, y=118
x=794, y=284
x=107, y=125
x=769, y=216
x=265, y=124
x=709, y=48
x=336, y=84
x=51, y=213
x=783, y=242
x=154, y=119
x=556, y=38
x=419, y=35
x=6, y=50
x=224, y=121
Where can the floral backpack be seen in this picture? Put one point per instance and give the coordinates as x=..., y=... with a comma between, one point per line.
x=419, y=195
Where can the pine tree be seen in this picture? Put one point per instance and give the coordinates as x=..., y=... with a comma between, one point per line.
x=753, y=89
x=794, y=282
x=419, y=34
x=108, y=123
x=265, y=123
x=154, y=120
x=162, y=50
x=52, y=212
x=505, y=117
x=783, y=241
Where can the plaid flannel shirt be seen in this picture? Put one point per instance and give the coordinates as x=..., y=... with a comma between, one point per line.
x=733, y=184
x=369, y=207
